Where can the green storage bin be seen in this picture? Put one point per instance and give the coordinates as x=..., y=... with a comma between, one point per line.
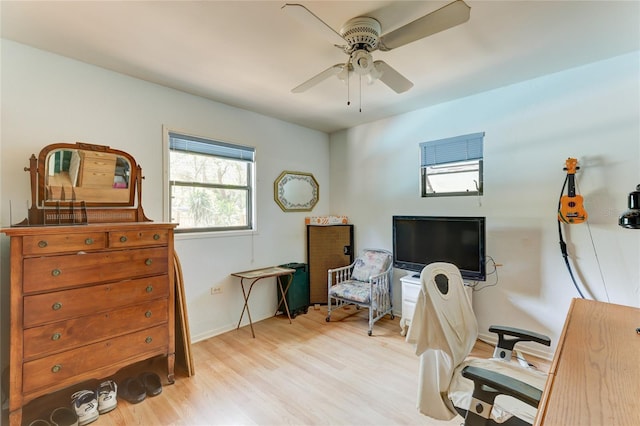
x=298, y=294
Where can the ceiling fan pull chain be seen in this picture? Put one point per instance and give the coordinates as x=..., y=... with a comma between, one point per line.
x=360, y=92
x=348, y=87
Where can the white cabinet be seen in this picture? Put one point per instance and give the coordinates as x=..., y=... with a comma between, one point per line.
x=410, y=290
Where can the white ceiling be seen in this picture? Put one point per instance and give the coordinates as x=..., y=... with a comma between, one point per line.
x=250, y=54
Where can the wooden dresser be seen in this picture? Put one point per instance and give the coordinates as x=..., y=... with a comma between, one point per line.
x=87, y=301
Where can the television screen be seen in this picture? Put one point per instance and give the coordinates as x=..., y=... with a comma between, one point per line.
x=421, y=240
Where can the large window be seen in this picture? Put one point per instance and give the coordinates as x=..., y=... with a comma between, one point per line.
x=452, y=166
x=210, y=184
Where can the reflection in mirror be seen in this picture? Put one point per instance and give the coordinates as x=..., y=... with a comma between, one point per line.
x=91, y=176
x=296, y=191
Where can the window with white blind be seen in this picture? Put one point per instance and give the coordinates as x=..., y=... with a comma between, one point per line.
x=210, y=184
x=452, y=166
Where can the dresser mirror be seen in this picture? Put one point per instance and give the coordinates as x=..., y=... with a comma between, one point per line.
x=83, y=183
x=92, y=176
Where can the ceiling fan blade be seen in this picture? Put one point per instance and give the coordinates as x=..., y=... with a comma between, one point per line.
x=446, y=17
x=392, y=78
x=309, y=19
x=333, y=70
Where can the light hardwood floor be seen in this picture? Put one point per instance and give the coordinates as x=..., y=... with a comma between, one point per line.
x=307, y=373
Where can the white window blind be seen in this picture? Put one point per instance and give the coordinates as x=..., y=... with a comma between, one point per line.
x=452, y=150
x=193, y=144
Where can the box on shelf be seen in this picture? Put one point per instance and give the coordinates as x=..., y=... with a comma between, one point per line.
x=326, y=220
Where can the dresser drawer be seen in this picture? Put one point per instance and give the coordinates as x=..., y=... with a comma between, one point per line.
x=73, y=333
x=61, y=305
x=51, y=370
x=407, y=311
x=137, y=238
x=98, y=178
x=57, y=272
x=410, y=292
x=47, y=244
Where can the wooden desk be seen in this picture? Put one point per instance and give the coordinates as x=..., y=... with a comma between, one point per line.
x=595, y=375
x=256, y=275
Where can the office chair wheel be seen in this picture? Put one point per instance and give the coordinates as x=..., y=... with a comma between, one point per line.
x=327, y=319
x=369, y=332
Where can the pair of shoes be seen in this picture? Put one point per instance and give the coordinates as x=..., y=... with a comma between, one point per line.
x=63, y=416
x=136, y=389
x=85, y=404
x=107, y=392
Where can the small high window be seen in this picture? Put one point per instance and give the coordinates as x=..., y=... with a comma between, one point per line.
x=452, y=166
x=210, y=184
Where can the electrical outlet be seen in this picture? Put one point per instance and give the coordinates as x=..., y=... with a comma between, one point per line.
x=216, y=290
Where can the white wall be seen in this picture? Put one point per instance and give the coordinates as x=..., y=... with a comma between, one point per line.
x=47, y=98
x=368, y=173
x=591, y=113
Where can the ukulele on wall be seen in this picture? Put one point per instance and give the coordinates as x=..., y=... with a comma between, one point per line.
x=571, y=208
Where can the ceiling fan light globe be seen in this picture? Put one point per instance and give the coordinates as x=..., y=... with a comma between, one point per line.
x=362, y=62
x=374, y=74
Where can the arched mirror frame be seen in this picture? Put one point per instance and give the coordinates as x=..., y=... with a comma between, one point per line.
x=73, y=209
x=43, y=174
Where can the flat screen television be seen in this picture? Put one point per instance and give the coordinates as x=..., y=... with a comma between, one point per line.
x=421, y=240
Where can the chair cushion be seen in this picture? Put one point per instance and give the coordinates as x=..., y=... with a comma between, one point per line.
x=370, y=263
x=504, y=407
x=357, y=291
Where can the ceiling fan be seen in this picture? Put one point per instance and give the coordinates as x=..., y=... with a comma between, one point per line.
x=360, y=36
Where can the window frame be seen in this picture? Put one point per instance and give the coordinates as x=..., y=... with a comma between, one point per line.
x=455, y=152
x=216, y=143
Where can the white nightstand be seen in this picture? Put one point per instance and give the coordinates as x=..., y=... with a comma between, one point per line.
x=410, y=290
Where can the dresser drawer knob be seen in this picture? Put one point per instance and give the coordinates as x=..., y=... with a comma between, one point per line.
x=56, y=306
x=56, y=368
x=147, y=314
x=88, y=241
x=148, y=262
x=42, y=244
x=148, y=339
x=156, y=236
x=149, y=288
x=56, y=272
x=123, y=239
x=56, y=336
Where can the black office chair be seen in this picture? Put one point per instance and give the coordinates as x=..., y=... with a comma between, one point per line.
x=495, y=391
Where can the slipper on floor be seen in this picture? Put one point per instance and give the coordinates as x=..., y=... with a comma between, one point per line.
x=64, y=416
x=132, y=390
x=152, y=383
